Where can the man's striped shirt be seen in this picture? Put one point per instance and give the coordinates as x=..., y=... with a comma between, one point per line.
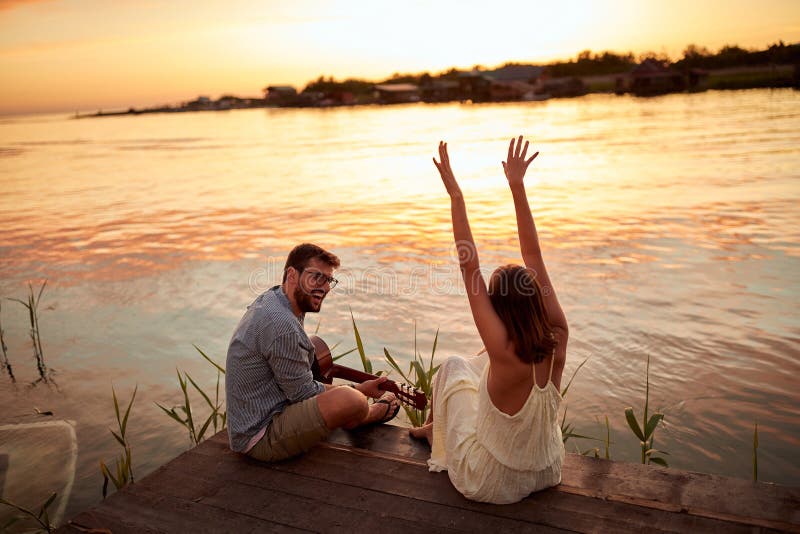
x=268, y=367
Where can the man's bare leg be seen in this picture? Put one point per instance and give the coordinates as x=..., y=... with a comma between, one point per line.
x=348, y=408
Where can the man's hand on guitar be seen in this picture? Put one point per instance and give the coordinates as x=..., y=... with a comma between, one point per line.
x=370, y=387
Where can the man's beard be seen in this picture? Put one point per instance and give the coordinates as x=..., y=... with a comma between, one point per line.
x=306, y=301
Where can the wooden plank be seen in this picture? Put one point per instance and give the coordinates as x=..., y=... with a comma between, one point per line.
x=310, y=513
x=548, y=508
x=377, y=479
x=758, y=504
x=601, y=508
x=347, y=499
x=136, y=510
x=383, y=438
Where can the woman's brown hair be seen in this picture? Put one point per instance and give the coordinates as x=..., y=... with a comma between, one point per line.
x=517, y=298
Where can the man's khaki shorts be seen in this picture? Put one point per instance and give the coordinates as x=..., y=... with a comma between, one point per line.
x=295, y=430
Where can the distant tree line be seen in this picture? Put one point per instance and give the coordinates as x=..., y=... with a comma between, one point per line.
x=734, y=56
x=329, y=85
x=588, y=63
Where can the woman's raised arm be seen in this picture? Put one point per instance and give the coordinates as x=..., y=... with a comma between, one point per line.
x=490, y=327
x=514, y=168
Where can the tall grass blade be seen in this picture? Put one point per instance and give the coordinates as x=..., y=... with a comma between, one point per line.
x=755, y=453
x=42, y=518
x=48, y=502
x=172, y=414
x=205, y=427
x=334, y=358
x=5, y=363
x=651, y=425
x=395, y=365
x=118, y=438
x=422, y=378
x=116, y=407
x=575, y=372
x=633, y=423
x=209, y=360
x=360, y=345
x=199, y=390
x=433, y=351
x=128, y=411
x=646, y=389
x=41, y=290
x=187, y=409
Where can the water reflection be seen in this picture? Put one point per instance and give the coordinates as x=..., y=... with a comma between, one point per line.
x=669, y=224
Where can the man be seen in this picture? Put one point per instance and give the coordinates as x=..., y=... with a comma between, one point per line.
x=275, y=407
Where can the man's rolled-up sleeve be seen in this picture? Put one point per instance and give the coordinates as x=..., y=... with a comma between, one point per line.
x=289, y=362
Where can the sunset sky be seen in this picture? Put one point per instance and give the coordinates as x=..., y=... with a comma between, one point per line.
x=68, y=55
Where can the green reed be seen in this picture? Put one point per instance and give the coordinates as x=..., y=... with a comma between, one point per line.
x=32, y=304
x=41, y=517
x=4, y=363
x=567, y=428
x=755, y=453
x=365, y=361
x=646, y=431
x=184, y=414
x=595, y=451
x=123, y=466
x=607, y=441
x=420, y=376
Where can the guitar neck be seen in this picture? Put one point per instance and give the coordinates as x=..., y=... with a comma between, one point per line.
x=346, y=373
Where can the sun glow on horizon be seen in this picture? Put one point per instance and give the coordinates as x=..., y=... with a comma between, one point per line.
x=59, y=55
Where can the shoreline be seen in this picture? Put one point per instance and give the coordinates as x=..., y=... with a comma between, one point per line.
x=762, y=77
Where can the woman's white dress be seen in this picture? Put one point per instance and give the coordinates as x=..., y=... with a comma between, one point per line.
x=491, y=456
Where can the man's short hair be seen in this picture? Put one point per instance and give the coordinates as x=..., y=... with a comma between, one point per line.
x=301, y=255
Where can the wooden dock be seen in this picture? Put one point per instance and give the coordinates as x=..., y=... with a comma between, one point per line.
x=376, y=480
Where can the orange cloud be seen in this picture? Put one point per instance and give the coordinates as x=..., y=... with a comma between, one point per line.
x=11, y=4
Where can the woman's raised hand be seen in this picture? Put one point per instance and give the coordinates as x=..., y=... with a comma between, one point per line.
x=445, y=171
x=516, y=165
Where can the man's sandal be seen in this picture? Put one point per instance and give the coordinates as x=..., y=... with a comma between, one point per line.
x=389, y=414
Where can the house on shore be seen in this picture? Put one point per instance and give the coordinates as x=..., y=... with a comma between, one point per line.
x=280, y=95
x=474, y=86
x=201, y=103
x=397, y=93
x=653, y=77
x=563, y=87
x=440, y=90
x=516, y=82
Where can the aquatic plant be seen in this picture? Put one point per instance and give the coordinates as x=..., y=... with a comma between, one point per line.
x=123, y=466
x=755, y=453
x=646, y=431
x=365, y=362
x=4, y=363
x=32, y=305
x=42, y=517
x=419, y=376
x=607, y=441
x=334, y=358
x=183, y=414
x=567, y=428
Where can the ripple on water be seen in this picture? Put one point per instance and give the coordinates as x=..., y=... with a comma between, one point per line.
x=669, y=226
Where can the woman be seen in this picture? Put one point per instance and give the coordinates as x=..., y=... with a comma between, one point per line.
x=494, y=424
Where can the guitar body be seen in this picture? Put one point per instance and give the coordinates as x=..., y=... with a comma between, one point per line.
x=325, y=371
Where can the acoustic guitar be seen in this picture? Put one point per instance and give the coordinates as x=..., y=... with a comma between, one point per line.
x=325, y=371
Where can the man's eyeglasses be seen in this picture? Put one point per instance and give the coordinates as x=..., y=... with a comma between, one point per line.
x=319, y=278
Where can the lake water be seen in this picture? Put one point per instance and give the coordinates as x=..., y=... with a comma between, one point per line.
x=670, y=227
